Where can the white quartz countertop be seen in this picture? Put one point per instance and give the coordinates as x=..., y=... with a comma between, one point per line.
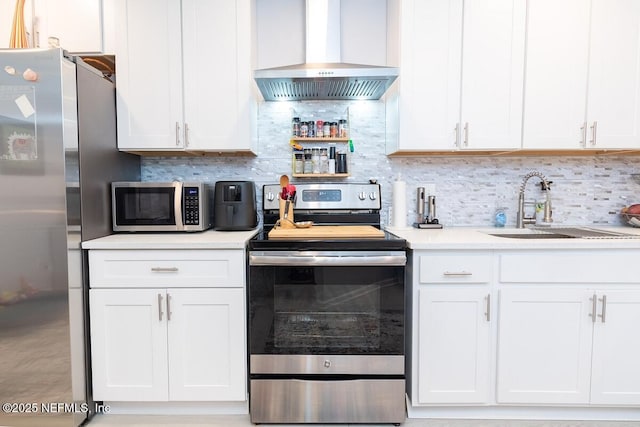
x=209, y=239
x=479, y=238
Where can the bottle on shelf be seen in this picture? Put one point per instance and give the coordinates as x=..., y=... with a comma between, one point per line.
x=295, y=126
x=308, y=161
x=324, y=161
x=315, y=158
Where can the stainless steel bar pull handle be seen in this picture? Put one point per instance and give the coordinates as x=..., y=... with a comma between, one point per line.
x=168, y=307
x=160, y=307
x=457, y=132
x=186, y=135
x=594, y=307
x=457, y=273
x=488, y=312
x=594, y=130
x=177, y=134
x=466, y=134
x=164, y=269
x=583, y=133
x=603, y=316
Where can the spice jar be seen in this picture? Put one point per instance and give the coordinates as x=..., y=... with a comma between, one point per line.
x=295, y=126
x=315, y=159
x=333, y=129
x=319, y=129
x=324, y=161
x=298, y=166
x=308, y=161
x=342, y=128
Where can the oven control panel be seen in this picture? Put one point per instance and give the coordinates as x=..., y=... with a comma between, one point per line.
x=327, y=196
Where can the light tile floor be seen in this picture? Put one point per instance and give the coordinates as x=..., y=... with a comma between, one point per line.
x=243, y=421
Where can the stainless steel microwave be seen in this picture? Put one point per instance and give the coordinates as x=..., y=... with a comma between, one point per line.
x=161, y=206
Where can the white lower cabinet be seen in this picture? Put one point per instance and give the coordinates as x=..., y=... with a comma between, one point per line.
x=180, y=341
x=567, y=332
x=499, y=330
x=556, y=347
x=615, y=374
x=544, y=350
x=452, y=338
x=167, y=344
x=454, y=345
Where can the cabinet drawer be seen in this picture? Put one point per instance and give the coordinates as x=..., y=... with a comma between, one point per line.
x=166, y=268
x=458, y=267
x=610, y=266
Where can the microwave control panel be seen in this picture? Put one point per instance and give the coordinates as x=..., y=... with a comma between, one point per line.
x=191, y=199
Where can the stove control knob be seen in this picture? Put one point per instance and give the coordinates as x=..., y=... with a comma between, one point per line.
x=271, y=196
x=362, y=195
x=373, y=196
x=327, y=363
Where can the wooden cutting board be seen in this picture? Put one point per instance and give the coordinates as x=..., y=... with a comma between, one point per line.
x=327, y=232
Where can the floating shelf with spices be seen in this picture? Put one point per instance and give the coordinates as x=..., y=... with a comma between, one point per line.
x=320, y=147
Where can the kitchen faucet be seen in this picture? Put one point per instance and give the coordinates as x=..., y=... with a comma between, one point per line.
x=545, y=184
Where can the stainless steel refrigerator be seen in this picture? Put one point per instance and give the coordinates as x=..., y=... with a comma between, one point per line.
x=58, y=156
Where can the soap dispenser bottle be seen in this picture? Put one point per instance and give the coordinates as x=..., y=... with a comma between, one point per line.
x=543, y=206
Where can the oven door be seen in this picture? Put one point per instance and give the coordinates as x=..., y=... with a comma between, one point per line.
x=306, y=305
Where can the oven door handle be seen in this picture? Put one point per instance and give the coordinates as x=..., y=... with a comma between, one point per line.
x=321, y=258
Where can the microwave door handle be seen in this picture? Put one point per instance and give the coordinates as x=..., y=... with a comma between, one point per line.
x=177, y=201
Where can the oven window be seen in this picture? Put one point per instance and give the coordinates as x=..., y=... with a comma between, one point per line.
x=326, y=310
x=145, y=206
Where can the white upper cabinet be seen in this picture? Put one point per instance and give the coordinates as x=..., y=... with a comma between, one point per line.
x=582, y=75
x=492, y=74
x=613, y=96
x=184, y=76
x=460, y=86
x=220, y=110
x=149, y=73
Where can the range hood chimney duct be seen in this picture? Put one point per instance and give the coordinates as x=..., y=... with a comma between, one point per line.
x=323, y=76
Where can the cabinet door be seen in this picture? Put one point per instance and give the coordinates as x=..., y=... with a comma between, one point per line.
x=128, y=344
x=616, y=350
x=492, y=74
x=454, y=339
x=614, y=75
x=207, y=356
x=149, y=70
x=431, y=38
x=220, y=112
x=77, y=24
x=556, y=74
x=544, y=346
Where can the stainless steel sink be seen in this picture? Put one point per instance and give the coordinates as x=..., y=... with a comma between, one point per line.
x=533, y=235
x=564, y=233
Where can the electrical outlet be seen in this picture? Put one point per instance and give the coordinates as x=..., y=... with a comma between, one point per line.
x=429, y=189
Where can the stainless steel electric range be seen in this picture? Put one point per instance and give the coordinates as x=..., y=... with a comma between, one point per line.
x=327, y=316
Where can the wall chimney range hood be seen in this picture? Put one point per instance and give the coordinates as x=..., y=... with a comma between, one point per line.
x=323, y=76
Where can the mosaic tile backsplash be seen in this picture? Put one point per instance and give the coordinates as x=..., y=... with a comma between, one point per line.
x=586, y=190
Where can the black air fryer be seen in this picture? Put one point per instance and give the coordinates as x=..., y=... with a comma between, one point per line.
x=235, y=206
